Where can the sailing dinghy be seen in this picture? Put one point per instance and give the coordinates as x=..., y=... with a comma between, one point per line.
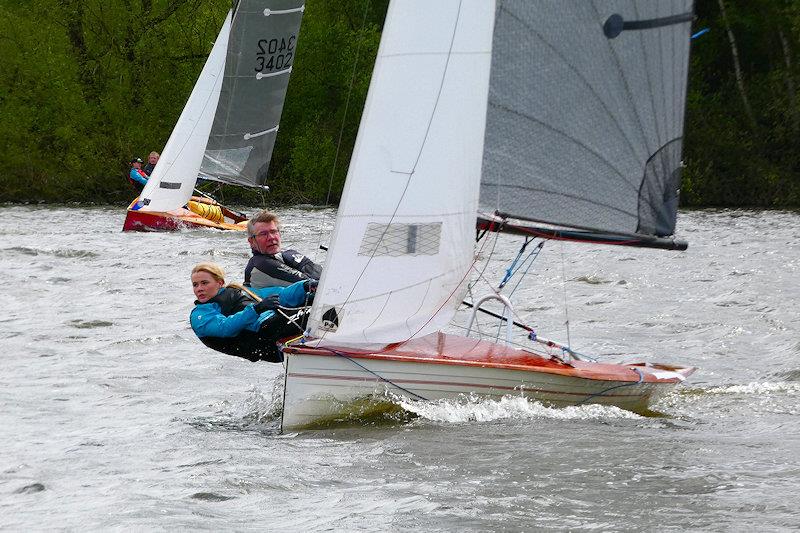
x=562, y=120
x=226, y=131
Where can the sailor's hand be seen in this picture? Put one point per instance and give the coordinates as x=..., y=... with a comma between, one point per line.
x=270, y=303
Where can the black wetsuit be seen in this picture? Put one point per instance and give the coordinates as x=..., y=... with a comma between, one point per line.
x=279, y=270
x=251, y=345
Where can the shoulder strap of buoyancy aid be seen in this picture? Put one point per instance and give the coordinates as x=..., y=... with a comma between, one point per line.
x=232, y=300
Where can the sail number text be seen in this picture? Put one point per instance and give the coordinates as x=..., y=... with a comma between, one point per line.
x=275, y=54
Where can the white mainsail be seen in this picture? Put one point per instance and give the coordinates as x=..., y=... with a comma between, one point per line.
x=172, y=182
x=403, y=243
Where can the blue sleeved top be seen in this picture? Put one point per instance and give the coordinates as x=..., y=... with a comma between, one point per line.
x=207, y=319
x=138, y=177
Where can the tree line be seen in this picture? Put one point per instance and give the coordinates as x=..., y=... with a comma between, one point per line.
x=86, y=84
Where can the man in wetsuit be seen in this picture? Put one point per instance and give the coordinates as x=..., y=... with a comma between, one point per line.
x=269, y=266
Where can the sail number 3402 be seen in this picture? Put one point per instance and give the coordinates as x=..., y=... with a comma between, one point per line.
x=275, y=54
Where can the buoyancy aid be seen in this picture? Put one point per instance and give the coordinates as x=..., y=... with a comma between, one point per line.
x=251, y=345
x=231, y=300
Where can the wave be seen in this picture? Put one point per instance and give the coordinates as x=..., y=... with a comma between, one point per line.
x=476, y=409
x=68, y=253
x=758, y=388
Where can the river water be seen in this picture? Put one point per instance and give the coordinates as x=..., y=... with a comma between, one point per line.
x=114, y=417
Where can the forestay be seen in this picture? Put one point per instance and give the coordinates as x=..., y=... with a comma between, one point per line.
x=259, y=60
x=172, y=181
x=586, y=113
x=404, y=237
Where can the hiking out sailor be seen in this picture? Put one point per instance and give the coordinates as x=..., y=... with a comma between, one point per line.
x=270, y=266
x=136, y=176
x=243, y=322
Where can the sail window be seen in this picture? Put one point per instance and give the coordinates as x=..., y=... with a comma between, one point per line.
x=394, y=240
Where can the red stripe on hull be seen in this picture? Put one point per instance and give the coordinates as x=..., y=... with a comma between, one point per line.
x=453, y=383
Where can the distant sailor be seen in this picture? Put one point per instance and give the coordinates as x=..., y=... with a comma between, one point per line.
x=152, y=159
x=137, y=176
x=269, y=266
x=232, y=320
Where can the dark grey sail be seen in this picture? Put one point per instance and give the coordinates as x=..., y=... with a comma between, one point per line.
x=261, y=52
x=586, y=113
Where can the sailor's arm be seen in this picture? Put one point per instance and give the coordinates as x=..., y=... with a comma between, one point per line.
x=208, y=321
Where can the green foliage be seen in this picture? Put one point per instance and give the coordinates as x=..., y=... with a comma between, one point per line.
x=731, y=160
x=86, y=84
x=336, y=51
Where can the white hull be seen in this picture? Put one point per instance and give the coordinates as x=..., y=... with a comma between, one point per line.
x=319, y=386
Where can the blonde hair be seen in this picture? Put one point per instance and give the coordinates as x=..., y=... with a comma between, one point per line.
x=214, y=269
x=154, y=154
x=218, y=274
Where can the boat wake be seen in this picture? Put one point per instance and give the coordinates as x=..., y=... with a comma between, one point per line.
x=759, y=388
x=477, y=409
x=259, y=411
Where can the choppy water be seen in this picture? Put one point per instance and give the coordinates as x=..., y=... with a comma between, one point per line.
x=114, y=417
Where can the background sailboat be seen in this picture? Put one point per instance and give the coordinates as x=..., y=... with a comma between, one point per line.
x=567, y=113
x=226, y=131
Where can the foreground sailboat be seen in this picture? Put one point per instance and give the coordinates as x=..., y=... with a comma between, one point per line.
x=566, y=116
x=226, y=131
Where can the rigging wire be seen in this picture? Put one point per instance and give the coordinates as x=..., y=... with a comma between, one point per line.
x=381, y=378
x=532, y=257
x=564, y=286
x=631, y=384
x=491, y=253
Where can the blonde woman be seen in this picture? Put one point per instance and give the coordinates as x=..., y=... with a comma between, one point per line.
x=241, y=322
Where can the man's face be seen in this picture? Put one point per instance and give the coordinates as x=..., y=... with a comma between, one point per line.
x=267, y=238
x=153, y=159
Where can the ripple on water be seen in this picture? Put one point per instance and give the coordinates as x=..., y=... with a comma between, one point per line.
x=758, y=388
x=211, y=497
x=89, y=324
x=30, y=489
x=61, y=253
